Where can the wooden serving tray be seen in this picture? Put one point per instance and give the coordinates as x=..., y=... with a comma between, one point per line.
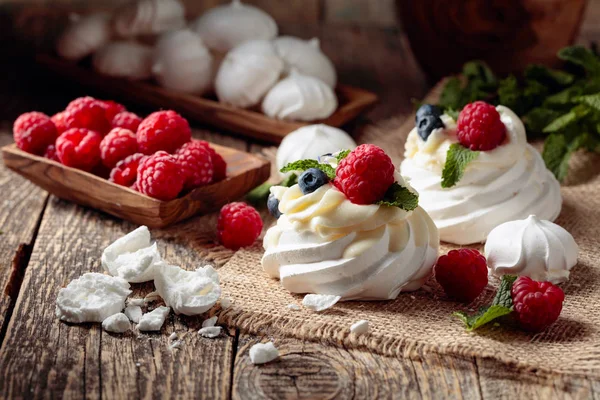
x=244, y=172
x=352, y=102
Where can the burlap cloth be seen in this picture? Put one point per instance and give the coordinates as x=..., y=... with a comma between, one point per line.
x=422, y=321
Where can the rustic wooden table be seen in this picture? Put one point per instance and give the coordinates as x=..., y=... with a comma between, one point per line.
x=46, y=242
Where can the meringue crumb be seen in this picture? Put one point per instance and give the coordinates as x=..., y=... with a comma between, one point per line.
x=226, y=302
x=210, y=332
x=176, y=344
x=360, y=327
x=293, y=307
x=173, y=336
x=135, y=302
x=320, y=302
x=262, y=353
x=209, y=322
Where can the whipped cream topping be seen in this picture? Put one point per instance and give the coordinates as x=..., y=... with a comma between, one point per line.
x=541, y=250
x=507, y=183
x=325, y=244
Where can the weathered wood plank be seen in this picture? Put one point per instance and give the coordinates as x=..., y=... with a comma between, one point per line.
x=21, y=207
x=43, y=356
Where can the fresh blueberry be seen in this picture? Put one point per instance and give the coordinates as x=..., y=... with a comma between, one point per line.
x=428, y=119
x=311, y=180
x=273, y=206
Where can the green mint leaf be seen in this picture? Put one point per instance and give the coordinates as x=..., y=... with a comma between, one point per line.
x=557, y=152
x=457, y=159
x=452, y=113
x=303, y=165
x=538, y=118
x=400, y=196
x=450, y=98
x=581, y=56
x=484, y=316
x=509, y=93
x=503, y=296
x=547, y=75
x=501, y=305
x=479, y=70
x=592, y=100
x=567, y=119
x=342, y=154
x=289, y=180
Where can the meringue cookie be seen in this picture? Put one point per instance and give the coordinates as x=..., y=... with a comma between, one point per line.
x=306, y=57
x=84, y=36
x=247, y=73
x=224, y=27
x=312, y=141
x=301, y=98
x=148, y=17
x=507, y=183
x=541, y=250
x=325, y=244
x=182, y=62
x=125, y=60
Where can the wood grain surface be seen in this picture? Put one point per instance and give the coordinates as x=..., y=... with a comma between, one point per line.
x=41, y=357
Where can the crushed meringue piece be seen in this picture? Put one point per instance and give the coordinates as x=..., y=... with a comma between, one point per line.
x=360, y=327
x=92, y=297
x=132, y=257
x=209, y=322
x=188, y=292
x=294, y=307
x=134, y=313
x=116, y=323
x=153, y=320
x=173, y=336
x=176, y=344
x=135, y=302
x=262, y=353
x=210, y=332
x=320, y=302
x=226, y=302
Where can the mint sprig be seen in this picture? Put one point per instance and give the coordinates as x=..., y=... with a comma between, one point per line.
x=303, y=165
x=501, y=305
x=341, y=155
x=457, y=159
x=400, y=196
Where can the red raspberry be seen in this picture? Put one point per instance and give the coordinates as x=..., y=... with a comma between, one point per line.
x=79, y=148
x=59, y=120
x=195, y=162
x=462, y=273
x=159, y=176
x=111, y=108
x=34, y=132
x=219, y=165
x=127, y=120
x=118, y=144
x=365, y=174
x=89, y=113
x=239, y=225
x=537, y=304
x=163, y=130
x=50, y=153
x=479, y=127
x=125, y=172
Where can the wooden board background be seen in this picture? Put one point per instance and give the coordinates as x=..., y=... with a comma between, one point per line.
x=52, y=241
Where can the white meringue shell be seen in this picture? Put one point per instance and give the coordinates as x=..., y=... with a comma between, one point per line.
x=182, y=62
x=307, y=57
x=84, y=36
x=224, y=27
x=147, y=17
x=125, y=60
x=300, y=98
x=311, y=142
x=247, y=73
x=539, y=249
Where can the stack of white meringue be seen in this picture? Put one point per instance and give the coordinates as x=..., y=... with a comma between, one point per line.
x=232, y=48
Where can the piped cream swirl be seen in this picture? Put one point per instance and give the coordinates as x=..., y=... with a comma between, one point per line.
x=507, y=183
x=325, y=244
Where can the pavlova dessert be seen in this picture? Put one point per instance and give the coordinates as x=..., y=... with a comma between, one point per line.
x=351, y=228
x=478, y=172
